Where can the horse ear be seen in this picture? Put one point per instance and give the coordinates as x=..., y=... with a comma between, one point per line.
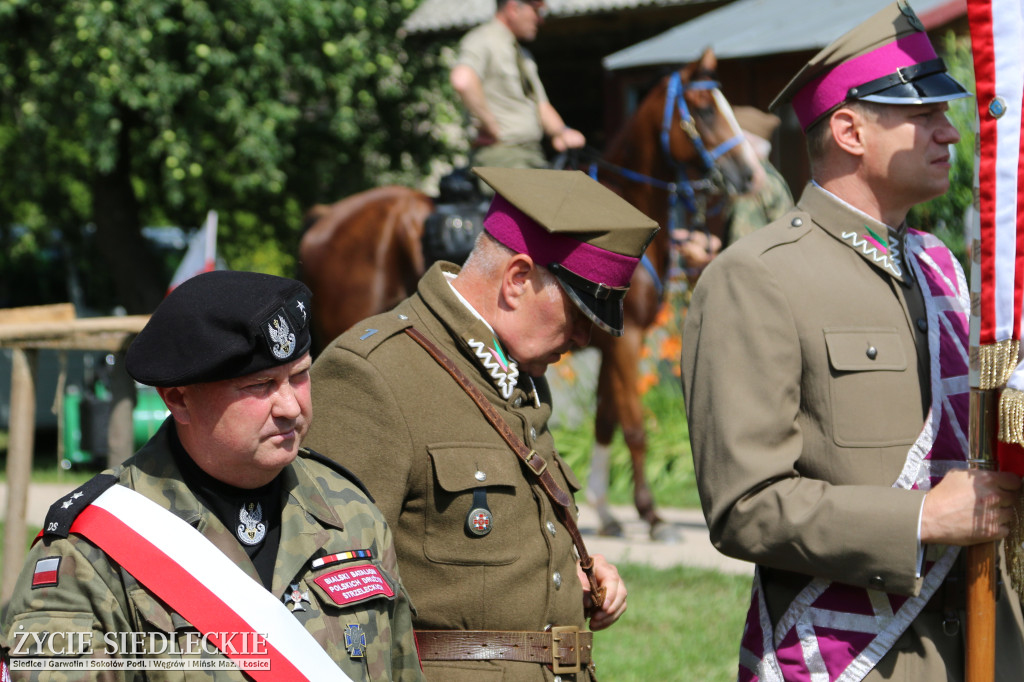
x=708, y=60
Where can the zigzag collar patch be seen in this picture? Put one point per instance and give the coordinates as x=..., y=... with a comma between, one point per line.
x=503, y=371
x=882, y=251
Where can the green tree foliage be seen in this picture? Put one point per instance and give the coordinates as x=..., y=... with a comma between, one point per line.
x=122, y=113
x=944, y=216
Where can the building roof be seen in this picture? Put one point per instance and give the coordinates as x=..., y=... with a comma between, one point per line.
x=446, y=15
x=751, y=28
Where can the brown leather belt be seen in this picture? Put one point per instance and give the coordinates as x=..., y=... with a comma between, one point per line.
x=566, y=649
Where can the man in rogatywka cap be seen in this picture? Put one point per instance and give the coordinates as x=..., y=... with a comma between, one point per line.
x=221, y=522
x=487, y=557
x=824, y=371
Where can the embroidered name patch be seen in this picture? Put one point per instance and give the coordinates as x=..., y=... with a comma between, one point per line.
x=45, y=574
x=354, y=584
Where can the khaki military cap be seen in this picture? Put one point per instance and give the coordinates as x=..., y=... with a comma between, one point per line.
x=753, y=120
x=588, y=236
x=887, y=59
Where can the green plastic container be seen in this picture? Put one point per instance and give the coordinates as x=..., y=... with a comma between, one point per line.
x=147, y=416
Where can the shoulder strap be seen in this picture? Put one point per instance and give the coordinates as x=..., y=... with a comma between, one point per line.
x=192, y=576
x=534, y=462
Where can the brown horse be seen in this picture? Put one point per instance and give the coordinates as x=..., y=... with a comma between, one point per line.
x=363, y=254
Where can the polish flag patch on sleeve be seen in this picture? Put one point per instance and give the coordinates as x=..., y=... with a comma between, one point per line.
x=45, y=573
x=355, y=584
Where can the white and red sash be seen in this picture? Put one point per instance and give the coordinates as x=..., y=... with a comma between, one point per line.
x=187, y=571
x=834, y=632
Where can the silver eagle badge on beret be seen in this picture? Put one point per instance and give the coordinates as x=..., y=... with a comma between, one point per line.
x=282, y=341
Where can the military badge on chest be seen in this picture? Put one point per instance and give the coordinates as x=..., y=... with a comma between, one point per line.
x=294, y=597
x=479, y=520
x=251, y=530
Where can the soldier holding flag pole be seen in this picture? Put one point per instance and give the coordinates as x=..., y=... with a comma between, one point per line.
x=997, y=282
x=825, y=371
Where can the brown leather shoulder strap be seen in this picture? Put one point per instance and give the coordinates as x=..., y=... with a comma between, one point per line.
x=533, y=461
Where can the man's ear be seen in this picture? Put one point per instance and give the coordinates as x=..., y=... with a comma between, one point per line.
x=847, y=129
x=174, y=399
x=515, y=279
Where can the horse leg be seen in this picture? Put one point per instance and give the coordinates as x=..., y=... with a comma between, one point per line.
x=605, y=422
x=624, y=356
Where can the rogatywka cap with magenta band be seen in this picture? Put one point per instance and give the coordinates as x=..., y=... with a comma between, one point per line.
x=590, y=238
x=887, y=59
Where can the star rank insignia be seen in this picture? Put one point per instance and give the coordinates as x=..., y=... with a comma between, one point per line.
x=355, y=641
x=294, y=598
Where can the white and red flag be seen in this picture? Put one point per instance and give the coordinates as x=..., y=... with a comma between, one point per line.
x=201, y=255
x=997, y=273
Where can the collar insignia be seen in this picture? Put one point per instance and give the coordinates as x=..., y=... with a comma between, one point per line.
x=503, y=371
x=877, y=249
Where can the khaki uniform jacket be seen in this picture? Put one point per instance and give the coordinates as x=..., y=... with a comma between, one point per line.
x=396, y=418
x=324, y=513
x=490, y=50
x=798, y=433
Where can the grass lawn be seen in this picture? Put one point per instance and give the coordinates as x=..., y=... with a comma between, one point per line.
x=682, y=625
x=669, y=465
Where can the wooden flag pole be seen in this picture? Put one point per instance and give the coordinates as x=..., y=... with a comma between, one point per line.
x=982, y=559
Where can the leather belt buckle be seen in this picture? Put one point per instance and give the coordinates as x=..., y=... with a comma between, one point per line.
x=569, y=637
x=534, y=457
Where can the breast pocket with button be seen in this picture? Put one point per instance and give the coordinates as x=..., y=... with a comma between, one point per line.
x=457, y=471
x=869, y=369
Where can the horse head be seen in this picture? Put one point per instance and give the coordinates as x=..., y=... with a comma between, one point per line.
x=701, y=153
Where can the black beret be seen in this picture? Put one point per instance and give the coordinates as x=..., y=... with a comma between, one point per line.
x=222, y=325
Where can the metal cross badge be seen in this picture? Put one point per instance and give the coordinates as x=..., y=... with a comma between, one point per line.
x=294, y=598
x=479, y=522
x=355, y=641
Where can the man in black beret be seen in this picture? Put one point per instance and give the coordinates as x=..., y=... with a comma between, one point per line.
x=221, y=539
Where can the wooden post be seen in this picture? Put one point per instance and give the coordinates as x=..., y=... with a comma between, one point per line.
x=19, y=464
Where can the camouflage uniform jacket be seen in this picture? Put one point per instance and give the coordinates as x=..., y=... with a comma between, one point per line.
x=323, y=513
x=424, y=450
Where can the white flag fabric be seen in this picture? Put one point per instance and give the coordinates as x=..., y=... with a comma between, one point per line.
x=201, y=255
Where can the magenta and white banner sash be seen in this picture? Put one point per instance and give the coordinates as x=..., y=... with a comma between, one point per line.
x=833, y=632
x=187, y=571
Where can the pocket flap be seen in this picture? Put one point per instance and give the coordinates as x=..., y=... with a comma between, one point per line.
x=865, y=349
x=464, y=467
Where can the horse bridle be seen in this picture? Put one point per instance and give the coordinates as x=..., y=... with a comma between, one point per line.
x=675, y=100
x=683, y=189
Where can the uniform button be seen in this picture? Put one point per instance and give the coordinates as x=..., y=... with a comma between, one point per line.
x=517, y=402
x=558, y=678
x=872, y=353
x=877, y=582
x=797, y=222
x=403, y=317
x=557, y=579
x=533, y=433
x=480, y=476
x=922, y=324
x=552, y=529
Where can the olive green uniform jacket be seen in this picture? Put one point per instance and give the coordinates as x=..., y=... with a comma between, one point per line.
x=323, y=513
x=798, y=431
x=410, y=432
